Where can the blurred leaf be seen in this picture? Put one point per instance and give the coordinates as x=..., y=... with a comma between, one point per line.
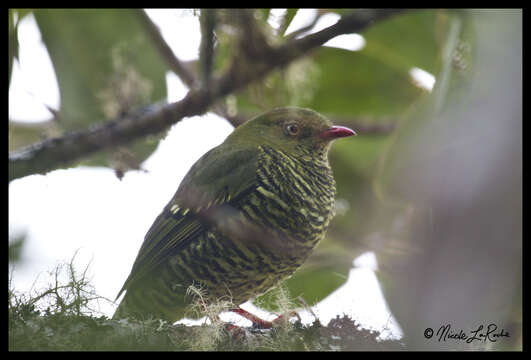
x=359, y=154
x=264, y=14
x=355, y=164
x=351, y=83
x=325, y=270
x=450, y=188
x=452, y=81
x=290, y=14
x=13, y=42
x=16, y=245
x=105, y=65
x=14, y=17
x=374, y=81
x=408, y=40
x=24, y=133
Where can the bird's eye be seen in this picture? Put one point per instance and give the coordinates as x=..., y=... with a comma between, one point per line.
x=292, y=129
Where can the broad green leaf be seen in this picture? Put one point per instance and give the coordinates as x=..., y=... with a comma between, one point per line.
x=375, y=81
x=105, y=64
x=351, y=83
x=411, y=39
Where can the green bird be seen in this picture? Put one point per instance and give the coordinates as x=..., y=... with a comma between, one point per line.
x=247, y=214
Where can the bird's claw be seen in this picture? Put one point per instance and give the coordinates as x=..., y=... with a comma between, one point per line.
x=265, y=324
x=236, y=332
x=283, y=318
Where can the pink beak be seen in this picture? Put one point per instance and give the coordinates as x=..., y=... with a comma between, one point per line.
x=337, y=132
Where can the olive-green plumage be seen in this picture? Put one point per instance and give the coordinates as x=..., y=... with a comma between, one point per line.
x=245, y=217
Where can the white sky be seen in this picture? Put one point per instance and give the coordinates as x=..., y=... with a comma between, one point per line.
x=90, y=210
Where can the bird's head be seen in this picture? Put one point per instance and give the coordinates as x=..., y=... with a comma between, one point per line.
x=290, y=129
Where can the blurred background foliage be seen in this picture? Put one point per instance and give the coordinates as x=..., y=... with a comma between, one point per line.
x=388, y=181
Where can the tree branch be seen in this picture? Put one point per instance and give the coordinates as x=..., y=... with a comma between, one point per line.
x=252, y=42
x=164, y=49
x=206, y=51
x=181, y=68
x=281, y=55
x=58, y=152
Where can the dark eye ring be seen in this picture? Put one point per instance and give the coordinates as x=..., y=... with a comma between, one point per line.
x=292, y=129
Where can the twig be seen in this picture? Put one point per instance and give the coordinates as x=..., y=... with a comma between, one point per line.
x=167, y=53
x=304, y=29
x=54, y=153
x=280, y=56
x=308, y=308
x=181, y=68
x=253, y=42
x=206, y=51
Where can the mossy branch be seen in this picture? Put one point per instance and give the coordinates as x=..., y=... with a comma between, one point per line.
x=59, y=318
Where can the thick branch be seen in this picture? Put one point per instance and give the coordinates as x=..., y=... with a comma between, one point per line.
x=54, y=153
x=57, y=152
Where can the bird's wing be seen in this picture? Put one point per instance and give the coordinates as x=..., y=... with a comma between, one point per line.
x=220, y=177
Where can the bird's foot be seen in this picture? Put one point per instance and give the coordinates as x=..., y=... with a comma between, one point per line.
x=283, y=318
x=265, y=324
x=235, y=331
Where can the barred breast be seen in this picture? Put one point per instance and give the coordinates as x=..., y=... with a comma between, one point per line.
x=291, y=205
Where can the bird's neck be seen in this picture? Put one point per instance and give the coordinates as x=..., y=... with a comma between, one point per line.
x=311, y=164
x=304, y=183
x=311, y=157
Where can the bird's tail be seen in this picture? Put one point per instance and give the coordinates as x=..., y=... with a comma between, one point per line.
x=148, y=308
x=128, y=309
x=122, y=311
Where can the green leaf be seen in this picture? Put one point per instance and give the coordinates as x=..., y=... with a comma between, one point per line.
x=264, y=14
x=13, y=42
x=374, y=81
x=352, y=83
x=408, y=40
x=16, y=245
x=290, y=14
x=105, y=65
x=14, y=17
x=325, y=270
x=24, y=133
